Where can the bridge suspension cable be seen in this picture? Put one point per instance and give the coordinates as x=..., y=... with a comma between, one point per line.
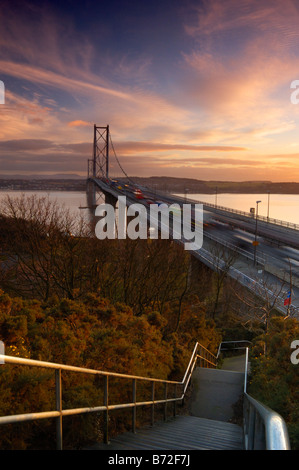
x=117, y=160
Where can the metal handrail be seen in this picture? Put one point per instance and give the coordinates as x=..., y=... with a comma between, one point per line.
x=263, y=218
x=199, y=352
x=259, y=259
x=241, y=341
x=263, y=428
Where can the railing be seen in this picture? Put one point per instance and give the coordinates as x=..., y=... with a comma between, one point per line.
x=263, y=218
x=259, y=259
x=205, y=357
x=233, y=345
x=264, y=429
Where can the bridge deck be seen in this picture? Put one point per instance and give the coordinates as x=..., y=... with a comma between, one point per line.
x=277, y=271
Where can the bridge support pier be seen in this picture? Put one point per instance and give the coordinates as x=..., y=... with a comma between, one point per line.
x=91, y=195
x=110, y=199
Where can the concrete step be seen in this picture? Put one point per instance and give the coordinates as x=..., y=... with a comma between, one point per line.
x=215, y=391
x=180, y=433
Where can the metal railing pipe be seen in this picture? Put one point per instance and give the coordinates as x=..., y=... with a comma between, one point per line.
x=263, y=427
x=246, y=369
x=106, y=412
x=59, y=413
x=53, y=365
x=58, y=390
x=191, y=359
x=275, y=429
x=153, y=404
x=134, y=407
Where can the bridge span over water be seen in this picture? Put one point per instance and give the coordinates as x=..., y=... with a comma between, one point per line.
x=261, y=254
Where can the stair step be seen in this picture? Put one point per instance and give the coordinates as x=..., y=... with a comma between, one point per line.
x=215, y=392
x=180, y=433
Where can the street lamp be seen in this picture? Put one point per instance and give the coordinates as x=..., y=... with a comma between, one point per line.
x=255, y=239
x=186, y=191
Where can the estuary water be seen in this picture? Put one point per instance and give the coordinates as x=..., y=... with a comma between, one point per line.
x=277, y=206
x=71, y=200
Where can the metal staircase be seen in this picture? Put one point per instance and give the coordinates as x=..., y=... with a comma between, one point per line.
x=208, y=426
x=180, y=433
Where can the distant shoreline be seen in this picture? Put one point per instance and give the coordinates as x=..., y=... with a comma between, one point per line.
x=162, y=183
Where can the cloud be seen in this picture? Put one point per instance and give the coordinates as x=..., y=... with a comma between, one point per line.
x=26, y=144
x=243, y=60
x=133, y=147
x=79, y=123
x=244, y=20
x=53, y=79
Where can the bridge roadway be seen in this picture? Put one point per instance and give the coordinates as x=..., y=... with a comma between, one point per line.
x=277, y=255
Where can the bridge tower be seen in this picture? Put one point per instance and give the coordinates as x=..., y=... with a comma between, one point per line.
x=98, y=166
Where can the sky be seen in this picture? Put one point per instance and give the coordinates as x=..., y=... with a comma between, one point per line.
x=189, y=88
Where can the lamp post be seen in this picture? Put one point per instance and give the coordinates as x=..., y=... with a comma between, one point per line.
x=186, y=191
x=255, y=238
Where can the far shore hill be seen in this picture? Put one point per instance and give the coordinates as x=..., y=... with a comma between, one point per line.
x=73, y=182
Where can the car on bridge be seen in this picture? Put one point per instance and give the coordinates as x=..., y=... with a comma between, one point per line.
x=138, y=194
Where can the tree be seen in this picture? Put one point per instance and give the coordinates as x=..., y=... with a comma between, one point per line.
x=260, y=307
x=49, y=249
x=274, y=379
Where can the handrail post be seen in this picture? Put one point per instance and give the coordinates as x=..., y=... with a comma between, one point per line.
x=251, y=427
x=134, y=407
x=246, y=370
x=106, y=412
x=174, y=403
x=153, y=404
x=58, y=408
x=165, y=398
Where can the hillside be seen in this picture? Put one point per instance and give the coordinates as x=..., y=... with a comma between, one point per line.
x=158, y=183
x=209, y=187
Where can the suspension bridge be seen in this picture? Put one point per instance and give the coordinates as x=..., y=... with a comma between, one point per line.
x=261, y=254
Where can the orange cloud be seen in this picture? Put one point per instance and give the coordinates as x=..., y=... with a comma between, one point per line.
x=79, y=123
x=133, y=147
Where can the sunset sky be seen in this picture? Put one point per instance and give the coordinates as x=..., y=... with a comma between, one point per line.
x=189, y=88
